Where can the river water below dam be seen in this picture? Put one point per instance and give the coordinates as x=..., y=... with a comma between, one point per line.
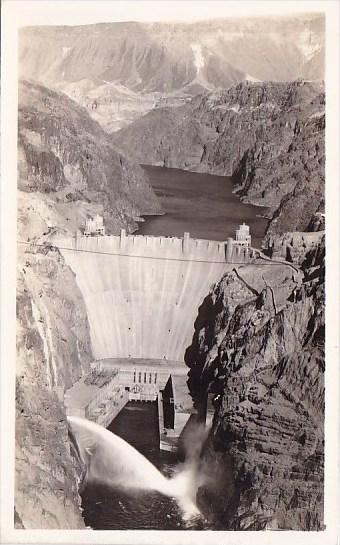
x=112, y=508
x=202, y=204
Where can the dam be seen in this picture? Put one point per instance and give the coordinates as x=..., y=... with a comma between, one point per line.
x=142, y=295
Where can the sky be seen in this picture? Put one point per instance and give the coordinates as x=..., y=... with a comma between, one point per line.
x=93, y=11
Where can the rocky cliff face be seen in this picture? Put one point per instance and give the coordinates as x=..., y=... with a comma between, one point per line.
x=259, y=355
x=67, y=169
x=269, y=137
x=69, y=162
x=297, y=247
x=53, y=351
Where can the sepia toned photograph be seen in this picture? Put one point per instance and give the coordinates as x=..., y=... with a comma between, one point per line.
x=170, y=272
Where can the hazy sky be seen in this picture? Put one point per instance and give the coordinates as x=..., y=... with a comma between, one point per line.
x=92, y=11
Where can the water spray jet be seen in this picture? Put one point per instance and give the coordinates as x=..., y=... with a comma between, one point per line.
x=112, y=461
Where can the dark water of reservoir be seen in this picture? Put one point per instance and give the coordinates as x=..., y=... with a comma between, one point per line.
x=201, y=204
x=108, y=508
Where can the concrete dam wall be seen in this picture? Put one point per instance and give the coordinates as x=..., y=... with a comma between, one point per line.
x=143, y=300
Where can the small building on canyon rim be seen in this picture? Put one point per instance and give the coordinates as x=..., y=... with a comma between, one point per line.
x=94, y=226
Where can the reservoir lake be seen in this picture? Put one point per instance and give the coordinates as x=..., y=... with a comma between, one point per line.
x=202, y=204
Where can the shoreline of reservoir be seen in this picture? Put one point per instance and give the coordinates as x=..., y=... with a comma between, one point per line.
x=204, y=205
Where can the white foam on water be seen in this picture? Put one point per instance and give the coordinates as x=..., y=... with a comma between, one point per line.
x=114, y=462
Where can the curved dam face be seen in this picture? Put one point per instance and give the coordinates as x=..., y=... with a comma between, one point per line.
x=143, y=300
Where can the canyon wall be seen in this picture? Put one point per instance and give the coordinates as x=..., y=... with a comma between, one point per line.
x=67, y=169
x=296, y=246
x=268, y=136
x=259, y=356
x=53, y=351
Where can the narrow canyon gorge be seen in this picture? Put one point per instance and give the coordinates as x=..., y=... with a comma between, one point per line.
x=251, y=335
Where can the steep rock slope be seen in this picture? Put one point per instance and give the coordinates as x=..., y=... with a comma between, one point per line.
x=294, y=246
x=67, y=169
x=53, y=350
x=269, y=137
x=261, y=359
x=67, y=166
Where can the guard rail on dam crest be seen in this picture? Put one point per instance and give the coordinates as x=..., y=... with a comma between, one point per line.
x=142, y=293
x=165, y=247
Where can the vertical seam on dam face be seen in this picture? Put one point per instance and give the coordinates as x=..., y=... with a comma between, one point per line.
x=143, y=307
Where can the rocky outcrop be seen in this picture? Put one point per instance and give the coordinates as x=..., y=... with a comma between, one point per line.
x=53, y=351
x=268, y=136
x=67, y=159
x=260, y=359
x=317, y=222
x=293, y=246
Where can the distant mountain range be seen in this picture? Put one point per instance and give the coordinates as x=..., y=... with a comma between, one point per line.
x=120, y=71
x=164, y=57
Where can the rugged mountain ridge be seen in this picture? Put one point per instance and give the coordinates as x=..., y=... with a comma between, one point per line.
x=269, y=137
x=120, y=71
x=66, y=159
x=168, y=56
x=260, y=358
